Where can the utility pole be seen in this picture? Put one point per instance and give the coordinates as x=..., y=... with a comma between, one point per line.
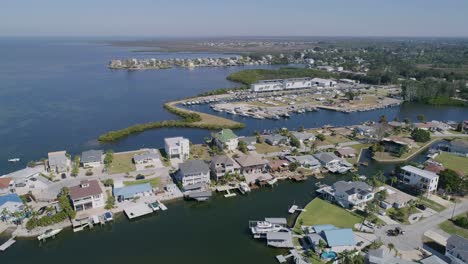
x=454, y=205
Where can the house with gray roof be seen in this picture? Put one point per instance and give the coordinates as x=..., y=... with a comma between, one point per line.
x=384, y=256
x=91, y=158
x=193, y=172
x=221, y=165
x=147, y=157
x=58, y=161
x=348, y=194
x=275, y=140
x=307, y=161
x=303, y=136
x=457, y=249
x=332, y=162
x=425, y=180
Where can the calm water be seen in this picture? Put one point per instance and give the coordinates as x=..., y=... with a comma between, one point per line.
x=58, y=94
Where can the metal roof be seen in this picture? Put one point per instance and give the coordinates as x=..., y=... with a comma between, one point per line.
x=339, y=237
x=193, y=166
x=130, y=191
x=423, y=173
x=10, y=198
x=91, y=156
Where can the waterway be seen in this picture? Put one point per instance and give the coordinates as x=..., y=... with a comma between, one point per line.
x=58, y=94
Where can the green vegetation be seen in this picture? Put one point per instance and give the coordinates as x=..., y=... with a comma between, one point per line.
x=122, y=163
x=263, y=148
x=455, y=226
x=108, y=158
x=320, y=212
x=76, y=166
x=431, y=204
x=420, y=135
x=222, y=91
x=153, y=181
x=248, y=77
x=110, y=202
x=453, y=162
x=242, y=146
x=108, y=182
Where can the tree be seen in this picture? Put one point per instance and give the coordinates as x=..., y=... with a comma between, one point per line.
x=294, y=141
x=450, y=180
x=108, y=158
x=301, y=129
x=320, y=137
x=393, y=180
x=242, y=146
x=293, y=166
x=391, y=247
x=108, y=182
x=421, y=118
x=420, y=135
x=383, y=119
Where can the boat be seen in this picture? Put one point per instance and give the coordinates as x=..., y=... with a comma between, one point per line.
x=14, y=160
x=272, y=181
x=108, y=216
x=49, y=233
x=276, y=117
x=263, y=227
x=244, y=188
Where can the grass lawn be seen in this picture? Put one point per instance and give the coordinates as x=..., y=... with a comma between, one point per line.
x=431, y=204
x=332, y=140
x=199, y=151
x=154, y=182
x=320, y=212
x=123, y=162
x=263, y=148
x=449, y=227
x=453, y=162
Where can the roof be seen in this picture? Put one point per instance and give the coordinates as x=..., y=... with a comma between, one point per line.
x=222, y=159
x=339, y=237
x=225, y=135
x=423, y=173
x=274, y=138
x=459, y=143
x=279, y=235
x=193, y=166
x=91, y=156
x=26, y=172
x=352, y=187
x=14, y=198
x=5, y=182
x=250, y=160
x=275, y=220
x=174, y=140
x=85, y=189
x=320, y=228
x=397, y=196
x=459, y=246
x=132, y=190
x=346, y=151
x=326, y=157
x=276, y=164
x=432, y=260
x=302, y=135
x=58, y=158
x=435, y=168
x=249, y=140
x=304, y=160
x=146, y=156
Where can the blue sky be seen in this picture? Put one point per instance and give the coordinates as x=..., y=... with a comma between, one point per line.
x=234, y=18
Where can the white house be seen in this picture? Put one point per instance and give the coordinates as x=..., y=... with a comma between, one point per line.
x=349, y=194
x=91, y=158
x=58, y=161
x=148, y=157
x=177, y=147
x=332, y=163
x=422, y=179
x=226, y=139
x=193, y=172
x=457, y=249
x=87, y=195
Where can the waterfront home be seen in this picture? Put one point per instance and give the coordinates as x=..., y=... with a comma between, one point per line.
x=5, y=184
x=122, y=193
x=87, y=195
x=226, y=139
x=278, y=165
x=434, y=167
x=395, y=198
x=303, y=136
x=251, y=163
x=91, y=158
x=382, y=255
x=307, y=161
x=396, y=124
x=177, y=147
x=346, y=152
x=221, y=165
x=395, y=144
x=275, y=140
x=457, y=249
x=433, y=259
x=340, y=239
x=456, y=146
x=333, y=163
x=149, y=157
x=58, y=161
x=425, y=180
x=9, y=205
x=348, y=194
x=193, y=172
x=364, y=130
x=25, y=174
x=250, y=141
x=282, y=239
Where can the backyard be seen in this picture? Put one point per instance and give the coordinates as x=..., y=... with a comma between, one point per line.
x=123, y=162
x=453, y=162
x=154, y=182
x=449, y=227
x=263, y=148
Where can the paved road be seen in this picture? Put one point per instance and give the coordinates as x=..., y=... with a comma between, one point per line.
x=414, y=233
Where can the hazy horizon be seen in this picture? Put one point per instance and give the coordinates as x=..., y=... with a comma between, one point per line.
x=209, y=18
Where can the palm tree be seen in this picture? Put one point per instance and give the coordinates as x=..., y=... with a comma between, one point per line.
x=390, y=247
x=393, y=180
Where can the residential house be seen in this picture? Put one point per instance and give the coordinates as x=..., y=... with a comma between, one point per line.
x=364, y=130
x=149, y=157
x=348, y=194
x=433, y=259
x=123, y=193
x=278, y=165
x=251, y=163
x=5, y=184
x=91, y=158
x=346, y=152
x=457, y=249
x=280, y=239
x=303, y=136
x=226, y=139
x=395, y=198
x=275, y=140
x=339, y=239
x=177, y=147
x=333, y=163
x=395, y=144
x=249, y=140
x=87, y=195
x=10, y=204
x=307, y=161
x=458, y=146
x=384, y=256
x=425, y=180
x=58, y=162
x=193, y=172
x=435, y=168
x=221, y=165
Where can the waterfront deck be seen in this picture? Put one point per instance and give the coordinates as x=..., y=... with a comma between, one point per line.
x=137, y=210
x=7, y=244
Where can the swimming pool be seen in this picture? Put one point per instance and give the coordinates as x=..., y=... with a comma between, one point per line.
x=329, y=255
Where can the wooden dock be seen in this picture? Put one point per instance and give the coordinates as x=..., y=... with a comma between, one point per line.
x=137, y=210
x=229, y=194
x=295, y=208
x=7, y=244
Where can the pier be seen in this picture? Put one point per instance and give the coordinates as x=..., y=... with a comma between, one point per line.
x=137, y=210
x=295, y=208
x=7, y=244
x=229, y=194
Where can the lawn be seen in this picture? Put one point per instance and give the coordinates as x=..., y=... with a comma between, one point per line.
x=123, y=163
x=263, y=148
x=431, y=204
x=154, y=182
x=332, y=140
x=449, y=227
x=453, y=162
x=320, y=212
x=200, y=151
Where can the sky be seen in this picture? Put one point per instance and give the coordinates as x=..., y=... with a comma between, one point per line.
x=179, y=18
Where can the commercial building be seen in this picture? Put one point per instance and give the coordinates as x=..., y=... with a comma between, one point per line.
x=177, y=147
x=281, y=84
x=423, y=179
x=91, y=158
x=325, y=83
x=86, y=195
x=193, y=172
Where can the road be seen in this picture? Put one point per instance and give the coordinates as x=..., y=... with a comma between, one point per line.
x=414, y=233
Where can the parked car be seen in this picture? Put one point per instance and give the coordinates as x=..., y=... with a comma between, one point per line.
x=21, y=184
x=140, y=177
x=421, y=206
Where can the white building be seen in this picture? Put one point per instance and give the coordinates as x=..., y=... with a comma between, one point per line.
x=349, y=194
x=91, y=158
x=226, y=139
x=58, y=161
x=267, y=86
x=422, y=179
x=297, y=83
x=87, y=195
x=325, y=83
x=193, y=172
x=177, y=147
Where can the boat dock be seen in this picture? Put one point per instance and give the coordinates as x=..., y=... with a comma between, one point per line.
x=295, y=208
x=138, y=210
x=7, y=244
x=294, y=254
x=229, y=194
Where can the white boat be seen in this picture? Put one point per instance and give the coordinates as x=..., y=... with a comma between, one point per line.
x=263, y=227
x=49, y=233
x=14, y=160
x=275, y=117
x=244, y=188
x=108, y=216
x=272, y=181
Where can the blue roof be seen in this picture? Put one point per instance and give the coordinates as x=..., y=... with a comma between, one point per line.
x=10, y=198
x=128, y=192
x=320, y=228
x=339, y=237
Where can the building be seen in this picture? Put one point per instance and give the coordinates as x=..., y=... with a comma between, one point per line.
x=396, y=144
x=132, y=191
x=364, y=130
x=10, y=204
x=193, y=172
x=275, y=140
x=339, y=239
x=384, y=256
x=303, y=136
x=346, y=152
x=307, y=161
x=424, y=180
x=457, y=249
x=458, y=146
x=296, y=83
x=249, y=140
x=280, y=239
x=86, y=195
x=278, y=165
x=333, y=163
x=251, y=163
x=148, y=157
x=280, y=84
x=432, y=260
x=221, y=165
x=91, y=158
x=226, y=139
x=177, y=147
x=58, y=162
x=348, y=194
x=325, y=83
x=395, y=198
x=5, y=184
